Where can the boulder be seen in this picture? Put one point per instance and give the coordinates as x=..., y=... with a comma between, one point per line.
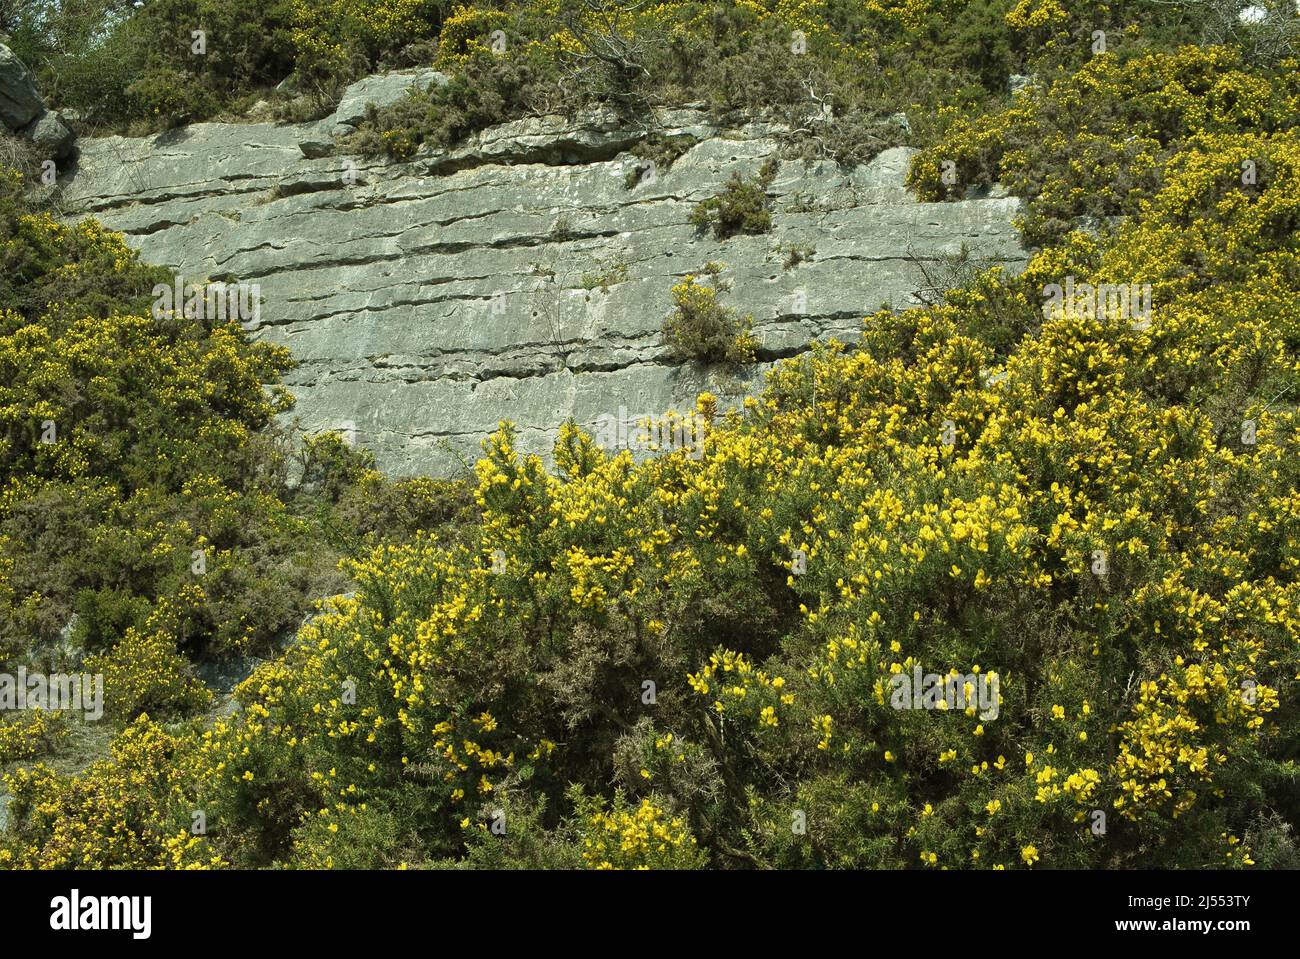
x=382, y=90
x=51, y=136
x=1019, y=81
x=318, y=141
x=23, y=111
x=20, y=103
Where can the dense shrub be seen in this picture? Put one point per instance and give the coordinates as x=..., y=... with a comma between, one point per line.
x=146, y=517
x=1073, y=153
x=741, y=207
x=36, y=733
x=702, y=328
x=834, y=72
x=126, y=444
x=653, y=637
x=124, y=812
x=116, y=64
x=335, y=41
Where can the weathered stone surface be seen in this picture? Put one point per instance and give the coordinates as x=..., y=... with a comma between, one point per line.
x=548, y=140
x=381, y=90
x=23, y=111
x=1019, y=81
x=318, y=141
x=51, y=135
x=20, y=104
x=516, y=277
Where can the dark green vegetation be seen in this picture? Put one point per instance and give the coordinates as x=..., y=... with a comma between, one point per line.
x=857, y=65
x=131, y=444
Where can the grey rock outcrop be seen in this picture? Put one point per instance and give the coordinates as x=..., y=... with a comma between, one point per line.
x=517, y=276
x=1018, y=82
x=22, y=111
x=51, y=135
x=318, y=141
x=20, y=103
x=380, y=90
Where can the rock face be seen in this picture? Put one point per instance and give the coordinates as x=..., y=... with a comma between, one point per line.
x=518, y=276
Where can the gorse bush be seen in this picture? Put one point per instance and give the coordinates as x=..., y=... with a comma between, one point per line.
x=1072, y=153
x=36, y=734
x=335, y=40
x=700, y=327
x=834, y=72
x=108, y=413
x=641, y=838
x=122, y=813
x=693, y=661
x=147, y=521
x=126, y=442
